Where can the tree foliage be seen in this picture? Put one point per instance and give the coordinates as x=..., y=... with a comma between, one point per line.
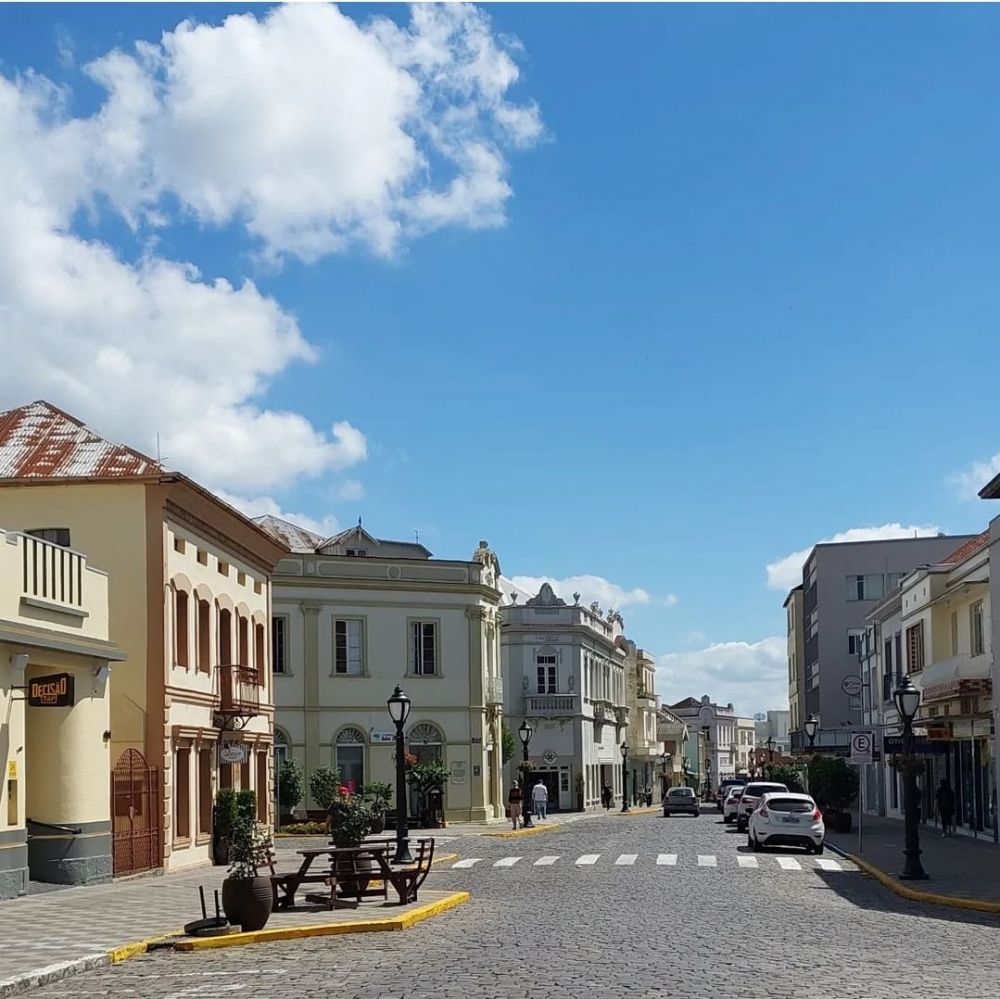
x=833, y=783
x=290, y=784
x=324, y=786
x=507, y=743
x=783, y=773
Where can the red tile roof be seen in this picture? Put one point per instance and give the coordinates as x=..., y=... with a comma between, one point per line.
x=967, y=550
x=40, y=441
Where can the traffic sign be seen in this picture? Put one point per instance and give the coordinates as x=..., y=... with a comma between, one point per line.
x=851, y=685
x=861, y=747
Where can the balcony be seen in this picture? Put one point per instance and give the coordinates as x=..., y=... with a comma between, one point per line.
x=603, y=711
x=52, y=576
x=551, y=705
x=621, y=714
x=494, y=691
x=239, y=691
x=957, y=676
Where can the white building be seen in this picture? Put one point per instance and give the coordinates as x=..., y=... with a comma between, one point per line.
x=564, y=671
x=644, y=746
x=729, y=740
x=354, y=615
x=776, y=726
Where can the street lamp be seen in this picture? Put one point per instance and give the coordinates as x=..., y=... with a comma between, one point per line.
x=770, y=749
x=624, y=752
x=811, y=727
x=665, y=759
x=907, y=699
x=525, y=732
x=399, y=711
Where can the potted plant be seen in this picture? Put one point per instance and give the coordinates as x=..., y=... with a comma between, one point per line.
x=324, y=785
x=379, y=794
x=426, y=779
x=290, y=787
x=246, y=894
x=352, y=819
x=223, y=819
x=835, y=786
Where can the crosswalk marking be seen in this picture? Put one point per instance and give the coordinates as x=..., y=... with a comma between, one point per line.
x=707, y=860
x=545, y=861
x=470, y=862
x=828, y=865
x=747, y=861
x=626, y=860
x=667, y=860
x=587, y=859
x=788, y=864
x=507, y=862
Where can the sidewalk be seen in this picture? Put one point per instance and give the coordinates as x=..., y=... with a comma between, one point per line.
x=960, y=868
x=55, y=934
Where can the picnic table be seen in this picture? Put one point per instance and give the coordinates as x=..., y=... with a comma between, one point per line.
x=350, y=869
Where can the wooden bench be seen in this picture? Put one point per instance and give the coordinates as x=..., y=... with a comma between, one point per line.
x=408, y=880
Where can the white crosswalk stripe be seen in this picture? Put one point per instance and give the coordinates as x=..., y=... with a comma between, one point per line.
x=747, y=861
x=743, y=861
x=707, y=860
x=667, y=860
x=626, y=860
x=507, y=862
x=788, y=864
x=587, y=859
x=470, y=862
x=545, y=861
x=828, y=865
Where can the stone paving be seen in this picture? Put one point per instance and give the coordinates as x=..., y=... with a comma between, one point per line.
x=957, y=865
x=606, y=929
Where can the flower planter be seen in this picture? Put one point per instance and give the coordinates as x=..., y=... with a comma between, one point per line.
x=247, y=902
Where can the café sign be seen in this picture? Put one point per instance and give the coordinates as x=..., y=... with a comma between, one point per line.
x=233, y=751
x=52, y=691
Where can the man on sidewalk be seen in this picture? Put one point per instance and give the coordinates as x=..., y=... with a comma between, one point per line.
x=945, y=799
x=540, y=799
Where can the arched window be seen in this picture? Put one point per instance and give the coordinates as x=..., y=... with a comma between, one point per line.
x=349, y=756
x=426, y=743
x=281, y=744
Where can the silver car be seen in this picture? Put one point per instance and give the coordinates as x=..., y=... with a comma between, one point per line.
x=680, y=801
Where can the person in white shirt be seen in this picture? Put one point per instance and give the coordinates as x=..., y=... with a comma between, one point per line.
x=540, y=800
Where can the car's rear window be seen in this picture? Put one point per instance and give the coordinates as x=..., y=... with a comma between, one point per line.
x=680, y=792
x=737, y=792
x=756, y=790
x=789, y=805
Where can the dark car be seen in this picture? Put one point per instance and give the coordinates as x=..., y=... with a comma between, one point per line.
x=726, y=785
x=680, y=801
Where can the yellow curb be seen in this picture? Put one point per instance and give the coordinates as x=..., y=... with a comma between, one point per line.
x=403, y=922
x=443, y=858
x=123, y=953
x=638, y=811
x=512, y=834
x=973, y=904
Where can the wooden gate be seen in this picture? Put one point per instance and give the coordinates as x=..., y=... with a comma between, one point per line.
x=136, y=814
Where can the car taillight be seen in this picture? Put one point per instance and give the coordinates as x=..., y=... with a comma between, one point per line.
x=763, y=812
x=817, y=815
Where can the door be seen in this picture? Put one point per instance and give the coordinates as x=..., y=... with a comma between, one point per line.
x=565, y=794
x=135, y=805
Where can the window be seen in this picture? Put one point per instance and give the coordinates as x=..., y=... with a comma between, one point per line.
x=242, y=628
x=182, y=794
x=204, y=792
x=866, y=587
x=181, y=624
x=262, y=789
x=347, y=651
x=225, y=638
x=897, y=656
x=258, y=651
x=279, y=639
x=349, y=757
x=179, y=545
x=976, y=628
x=357, y=552
x=546, y=670
x=423, y=648
x=854, y=643
x=223, y=568
x=954, y=633
x=54, y=535
x=425, y=742
x=915, y=648
x=245, y=774
x=204, y=636
x=280, y=750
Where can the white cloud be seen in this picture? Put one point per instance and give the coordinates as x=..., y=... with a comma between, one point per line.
x=607, y=594
x=351, y=489
x=753, y=676
x=969, y=481
x=786, y=573
x=260, y=506
x=671, y=600
x=311, y=132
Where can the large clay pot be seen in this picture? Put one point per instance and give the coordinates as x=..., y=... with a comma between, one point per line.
x=247, y=902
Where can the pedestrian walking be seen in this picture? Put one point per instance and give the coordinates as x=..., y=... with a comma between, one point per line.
x=540, y=799
x=607, y=796
x=945, y=798
x=514, y=798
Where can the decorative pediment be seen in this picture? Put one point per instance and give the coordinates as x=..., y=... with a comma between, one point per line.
x=546, y=597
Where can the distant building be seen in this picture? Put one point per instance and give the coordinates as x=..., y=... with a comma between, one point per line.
x=728, y=739
x=796, y=660
x=774, y=726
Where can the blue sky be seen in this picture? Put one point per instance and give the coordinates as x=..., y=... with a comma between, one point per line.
x=724, y=286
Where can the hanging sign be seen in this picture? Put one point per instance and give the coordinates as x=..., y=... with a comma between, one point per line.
x=233, y=751
x=380, y=738
x=53, y=691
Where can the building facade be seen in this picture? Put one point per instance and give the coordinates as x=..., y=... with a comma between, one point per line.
x=565, y=672
x=775, y=726
x=55, y=661
x=728, y=739
x=644, y=747
x=841, y=583
x=681, y=757
x=190, y=605
x=796, y=660
x=354, y=616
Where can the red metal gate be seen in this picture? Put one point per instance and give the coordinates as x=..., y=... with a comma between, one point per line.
x=136, y=814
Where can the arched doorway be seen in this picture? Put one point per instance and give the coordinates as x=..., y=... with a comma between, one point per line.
x=349, y=757
x=135, y=802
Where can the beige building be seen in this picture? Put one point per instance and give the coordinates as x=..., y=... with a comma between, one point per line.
x=354, y=615
x=796, y=660
x=190, y=606
x=644, y=747
x=55, y=660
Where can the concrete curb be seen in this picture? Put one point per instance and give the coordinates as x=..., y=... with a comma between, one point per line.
x=403, y=922
x=533, y=831
x=912, y=894
x=52, y=973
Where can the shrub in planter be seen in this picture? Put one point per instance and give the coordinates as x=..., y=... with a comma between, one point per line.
x=324, y=786
x=353, y=818
x=379, y=793
x=835, y=786
x=425, y=778
x=303, y=829
x=791, y=777
x=223, y=820
x=246, y=894
x=290, y=785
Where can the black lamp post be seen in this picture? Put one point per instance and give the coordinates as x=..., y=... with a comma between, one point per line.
x=624, y=751
x=399, y=710
x=525, y=731
x=907, y=699
x=811, y=727
x=770, y=749
x=665, y=759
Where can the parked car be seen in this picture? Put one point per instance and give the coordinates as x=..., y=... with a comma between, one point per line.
x=752, y=794
x=731, y=803
x=787, y=820
x=680, y=801
x=726, y=786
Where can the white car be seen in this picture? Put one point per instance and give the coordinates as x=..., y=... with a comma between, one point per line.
x=786, y=819
x=752, y=794
x=731, y=803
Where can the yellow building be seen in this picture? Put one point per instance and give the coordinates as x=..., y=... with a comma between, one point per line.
x=55, y=659
x=190, y=604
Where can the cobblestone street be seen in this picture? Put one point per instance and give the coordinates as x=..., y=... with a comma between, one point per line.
x=645, y=906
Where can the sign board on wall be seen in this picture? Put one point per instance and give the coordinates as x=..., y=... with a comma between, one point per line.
x=52, y=691
x=458, y=772
x=233, y=751
x=380, y=738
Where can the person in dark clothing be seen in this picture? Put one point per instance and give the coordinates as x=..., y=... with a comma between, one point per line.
x=945, y=798
x=607, y=796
